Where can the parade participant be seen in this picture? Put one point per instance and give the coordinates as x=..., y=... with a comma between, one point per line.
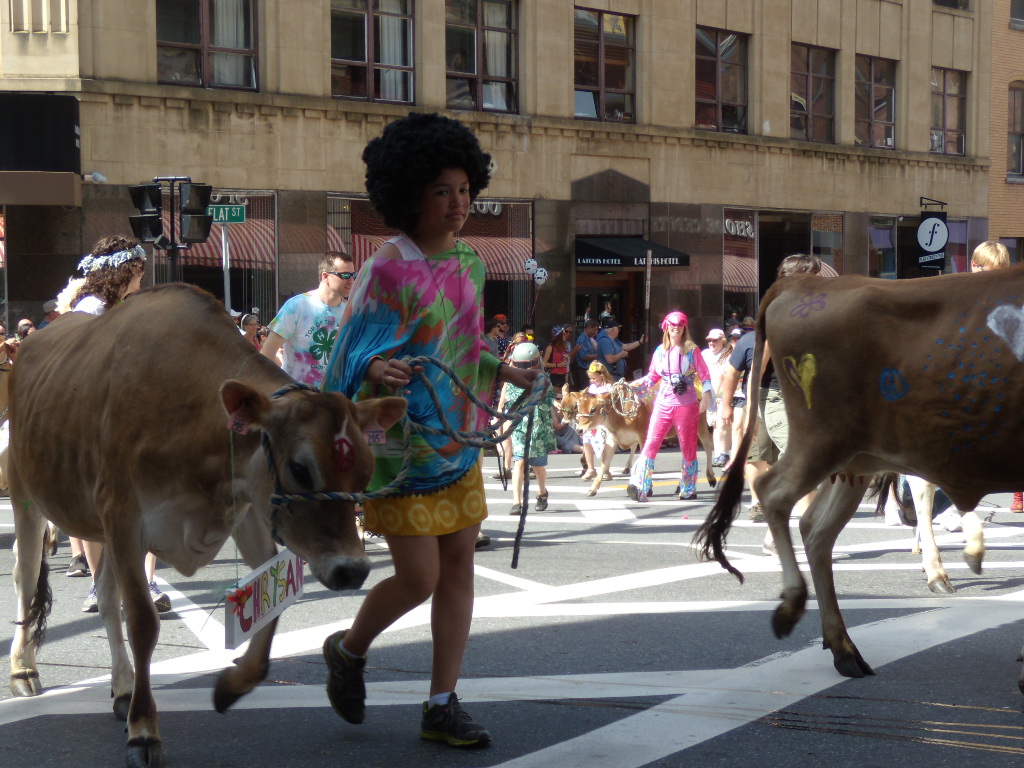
x=685, y=386
x=420, y=294
x=716, y=357
x=250, y=325
x=594, y=439
x=586, y=344
x=542, y=440
x=112, y=271
x=306, y=325
x=612, y=352
x=557, y=355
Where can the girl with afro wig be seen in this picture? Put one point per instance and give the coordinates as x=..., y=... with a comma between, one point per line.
x=420, y=295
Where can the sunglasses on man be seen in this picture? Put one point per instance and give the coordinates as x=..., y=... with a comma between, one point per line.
x=344, y=275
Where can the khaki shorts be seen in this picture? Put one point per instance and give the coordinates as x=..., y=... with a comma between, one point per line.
x=762, y=448
x=774, y=410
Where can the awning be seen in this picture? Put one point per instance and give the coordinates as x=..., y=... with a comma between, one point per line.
x=739, y=274
x=618, y=252
x=503, y=257
x=309, y=238
x=251, y=245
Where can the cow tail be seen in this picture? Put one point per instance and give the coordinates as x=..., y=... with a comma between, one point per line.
x=42, y=602
x=879, y=489
x=711, y=536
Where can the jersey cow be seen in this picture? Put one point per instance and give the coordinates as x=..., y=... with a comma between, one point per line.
x=121, y=437
x=915, y=376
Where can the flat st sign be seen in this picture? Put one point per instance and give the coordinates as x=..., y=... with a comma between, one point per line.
x=227, y=214
x=932, y=236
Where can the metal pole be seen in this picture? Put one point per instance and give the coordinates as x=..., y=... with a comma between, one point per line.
x=225, y=254
x=647, y=304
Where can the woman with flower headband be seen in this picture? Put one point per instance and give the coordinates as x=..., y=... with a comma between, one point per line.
x=420, y=295
x=112, y=271
x=685, y=384
x=595, y=439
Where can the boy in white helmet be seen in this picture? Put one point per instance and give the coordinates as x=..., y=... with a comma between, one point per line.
x=526, y=355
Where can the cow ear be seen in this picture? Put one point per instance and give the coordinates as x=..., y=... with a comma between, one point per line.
x=244, y=405
x=382, y=411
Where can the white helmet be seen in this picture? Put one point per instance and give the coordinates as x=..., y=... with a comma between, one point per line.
x=525, y=355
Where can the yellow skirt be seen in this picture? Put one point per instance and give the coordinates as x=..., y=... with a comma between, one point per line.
x=451, y=509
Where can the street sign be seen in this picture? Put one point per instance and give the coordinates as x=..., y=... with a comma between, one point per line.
x=227, y=214
x=932, y=236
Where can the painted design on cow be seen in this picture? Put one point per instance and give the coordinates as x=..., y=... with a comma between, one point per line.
x=1008, y=323
x=921, y=433
x=144, y=462
x=802, y=374
x=893, y=384
x=812, y=302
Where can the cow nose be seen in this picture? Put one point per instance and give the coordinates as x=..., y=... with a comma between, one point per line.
x=348, y=573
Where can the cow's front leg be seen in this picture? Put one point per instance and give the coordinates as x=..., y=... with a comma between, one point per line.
x=31, y=594
x=834, y=506
x=924, y=505
x=250, y=669
x=974, y=551
x=607, y=456
x=108, y=601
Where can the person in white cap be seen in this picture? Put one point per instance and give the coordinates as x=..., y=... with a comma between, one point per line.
x=50, y=314
x=716, y=355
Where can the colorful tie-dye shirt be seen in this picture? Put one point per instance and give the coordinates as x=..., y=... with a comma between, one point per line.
x=309, y=328
x=415, y=306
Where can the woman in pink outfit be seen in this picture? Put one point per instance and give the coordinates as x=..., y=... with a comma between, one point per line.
x=685, y=383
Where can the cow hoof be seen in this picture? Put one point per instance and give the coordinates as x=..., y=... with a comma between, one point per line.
x=973, y=562
x=941, y=586
x=784, y=619
x=25, y=684
x=231, y=687
x=144, y=753
x=852, y=665
x=591, y=492
x=121, y=706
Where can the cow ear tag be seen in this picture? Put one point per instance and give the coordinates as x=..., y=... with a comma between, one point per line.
x=374, y=434
x=237, y=422
x=343, y=451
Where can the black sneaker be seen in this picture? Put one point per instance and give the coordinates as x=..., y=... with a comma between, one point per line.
x=482, y=540
x=345, y=687
x=542, y=502
x=78, y=566
x=451, y=723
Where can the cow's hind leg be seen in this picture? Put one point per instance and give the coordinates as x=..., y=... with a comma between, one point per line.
x=122, y=676
x=832, y=509
x=707, y=442
x=974, y=551
x=924, y=503
x=250, y=669
x=32, y=597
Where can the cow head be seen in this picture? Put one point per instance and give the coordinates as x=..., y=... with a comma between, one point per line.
x=317, y=443
x=591, y=410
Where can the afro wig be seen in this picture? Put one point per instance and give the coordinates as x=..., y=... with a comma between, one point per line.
x=410, y=154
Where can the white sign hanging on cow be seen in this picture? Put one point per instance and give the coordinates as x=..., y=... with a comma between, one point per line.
x=262, y=596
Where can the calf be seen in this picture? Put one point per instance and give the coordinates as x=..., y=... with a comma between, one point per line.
x=924, y=383
x=120, y=435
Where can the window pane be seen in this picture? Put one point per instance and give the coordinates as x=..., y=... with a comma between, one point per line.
x=392, y=41
x=586, y=104
x=1017, y=10
x=706, y=116
x=887, y=136
x=936, y=80
x=734, y=118
x=499, y=13
x=618, y=106
x=585, y=66
x=460, y=11
x=823, y=99
x=1013, y=155
x=460, y=93
x=734, y=84
x=822, y=129
x=233, y=69
x=863, y=69
x=863, y=103
x=798, y=126
x=954, y=81
x=403, y=7
x=955, y=113
x=499, y=57
x=357, y=4
x=177, y=21
x=862, y=134
x=231, y=24
x=937, y=102
x=177, y=65
x=348, y=37
x=954, y=143
x=885, y=72
x=618, y=69
x=393, y=84
x=798, y=93
x=822, y=62
x=500, y=96
x=706, y=45
x=798, y=58
x=935, y=140
x=585, y=25
x=461, y=47
x=617, y=31
x=347, y=80
x=883, y=104
x=707, y=80
x=1016, y=111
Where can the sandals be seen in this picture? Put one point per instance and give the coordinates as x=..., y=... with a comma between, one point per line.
x=516, y=511
x=542, y=502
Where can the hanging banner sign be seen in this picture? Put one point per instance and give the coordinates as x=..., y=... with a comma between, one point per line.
x=932, y=236
x=261, y=596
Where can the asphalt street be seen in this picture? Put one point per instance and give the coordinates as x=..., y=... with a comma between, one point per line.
x=610, y=646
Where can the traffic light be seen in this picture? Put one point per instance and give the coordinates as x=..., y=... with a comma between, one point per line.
x=195, y=221
x=148, y=226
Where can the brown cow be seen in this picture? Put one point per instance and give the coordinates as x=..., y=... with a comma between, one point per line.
x=626, y=418
x=121, y=436
x=916, y=376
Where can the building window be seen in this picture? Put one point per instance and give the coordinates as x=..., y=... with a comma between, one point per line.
x=1015, y=153
x=207, y=43
x=371, y=50
x=1017, y=11
x=875, y=94
x=812, y=98
x=481, y=51
x=721, y=83
x=960, y=5
x=949, y=104
x=604, y=66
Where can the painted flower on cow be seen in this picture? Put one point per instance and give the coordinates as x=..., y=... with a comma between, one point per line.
x=322, y=343
x=809, y=303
